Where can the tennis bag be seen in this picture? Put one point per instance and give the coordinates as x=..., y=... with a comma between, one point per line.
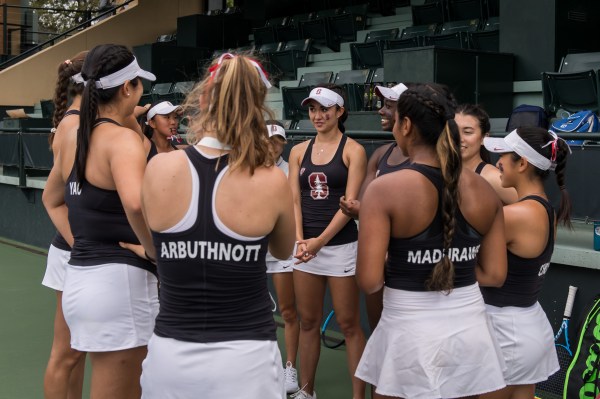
x=582, y=121
x=527, y=115
x=583, y=376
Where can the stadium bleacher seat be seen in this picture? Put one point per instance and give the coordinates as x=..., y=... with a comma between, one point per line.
x=377, y=77
x=354, y=82
x=292, y=100
x=571, y=92
x=487, y=39
x=291, y=56
x=345, y=25
x=412, y=36
x=268, y=48
x=304, y=124
x=160, y=91
x=268, y=33
x=578, y=62
x=453, y=34
x=363, y=121
x=312, y=79
x=369, y=55
x=291, y=31
x=433, y=12
x=318, y=30
x=466, y=9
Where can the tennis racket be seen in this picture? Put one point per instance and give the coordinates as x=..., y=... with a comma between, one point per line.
x=555, y=384
x=330, y=338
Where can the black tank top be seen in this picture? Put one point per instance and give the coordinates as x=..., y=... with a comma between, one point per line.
x=213, y=282
x=411, y=260
x=153, y=151
x=383, y=167
x=59, y=241
x=321, y=187
x=98, y=222
x=525, y=275
x=480, y=167
x=72, y=112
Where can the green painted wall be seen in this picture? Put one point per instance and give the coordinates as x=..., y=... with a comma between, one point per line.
x=23, y=217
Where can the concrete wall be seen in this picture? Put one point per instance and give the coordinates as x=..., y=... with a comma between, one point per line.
x=33, y=79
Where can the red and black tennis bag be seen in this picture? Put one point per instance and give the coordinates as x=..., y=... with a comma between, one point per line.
x=583, y=376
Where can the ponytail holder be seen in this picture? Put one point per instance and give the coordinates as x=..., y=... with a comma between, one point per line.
x=214, y=69
x=554, y=148
x=53, y=130
x=563, y=188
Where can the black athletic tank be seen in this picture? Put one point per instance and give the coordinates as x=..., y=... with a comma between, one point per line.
x=383, y=167
x=321, y=187
x=153, y=151
x=525, y=275
x=58, y=241
x=213, y=284
x=480, y=167
x=411, y=260
x=99, y=223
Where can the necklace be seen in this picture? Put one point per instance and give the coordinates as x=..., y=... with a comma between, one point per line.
x=212, y=142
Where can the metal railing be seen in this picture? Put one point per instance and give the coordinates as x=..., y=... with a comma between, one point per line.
x=56, y=36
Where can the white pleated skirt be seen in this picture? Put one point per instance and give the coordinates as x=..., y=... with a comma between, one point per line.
x=428, y=345
x=218, y=370
x=334, y=261
x=275, y=265
x=527, y=342
x=109, y=307
x=56, y=266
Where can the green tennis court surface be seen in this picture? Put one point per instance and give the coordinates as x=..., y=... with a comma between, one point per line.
x=26, y=321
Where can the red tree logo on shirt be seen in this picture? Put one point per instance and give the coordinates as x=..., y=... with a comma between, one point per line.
x=318, y=184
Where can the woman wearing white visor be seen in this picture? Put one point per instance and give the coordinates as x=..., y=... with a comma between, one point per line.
x=110, y=293
x=322, y=170
x=162, y=121
x=527, y=155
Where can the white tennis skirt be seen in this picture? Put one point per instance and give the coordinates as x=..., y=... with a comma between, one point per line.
x=275, y=265
x=218, y=370
x=109, y=307
x=334, y=261
x=56, y=265
x=428, y=345
x=527, y=342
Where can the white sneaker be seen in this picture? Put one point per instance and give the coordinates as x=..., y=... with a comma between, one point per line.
x=290, y=376
x=301, y=394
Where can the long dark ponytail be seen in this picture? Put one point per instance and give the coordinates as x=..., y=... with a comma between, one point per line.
x=101, y=61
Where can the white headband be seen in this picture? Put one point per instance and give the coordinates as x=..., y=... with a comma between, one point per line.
x=119, y=77
x=514, y=143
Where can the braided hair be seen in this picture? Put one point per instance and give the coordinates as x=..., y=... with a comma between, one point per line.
x=66, y=88
x=431, y=109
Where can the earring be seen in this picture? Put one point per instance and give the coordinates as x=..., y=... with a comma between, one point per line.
x=128, y=94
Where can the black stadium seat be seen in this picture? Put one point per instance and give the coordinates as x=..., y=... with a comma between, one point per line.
x=370, y=53
x=292, y=99
x=313, y=79
x=571, y=92
x=412, y=36
x=354, y=82
x=429, y=13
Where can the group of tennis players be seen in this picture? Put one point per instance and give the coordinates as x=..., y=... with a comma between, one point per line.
x=162, y=252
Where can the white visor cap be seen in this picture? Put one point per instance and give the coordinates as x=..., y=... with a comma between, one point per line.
x=162, y=108
x=391, y=93
x=276, y=130
x=514, y=143
x=325, y=97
